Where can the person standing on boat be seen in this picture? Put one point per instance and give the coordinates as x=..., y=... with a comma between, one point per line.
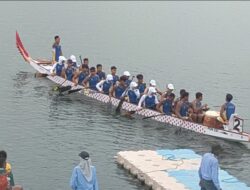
x=197, y=115
x=99, y=72
x=69, y=71
x=6, y=175
x=127, y=75
x=84, y=175
x=115, y=76
x=104, y=85
x=148, y=100
x=133, y=93
x=141, y=84
x=209, y=169
x=58, y=68
x=227, y=109
x=166, y=105
x=182, y=107
x=92, y=79
x=81, y=75
x=56, y=50
x=119, y=88
x=152, y=83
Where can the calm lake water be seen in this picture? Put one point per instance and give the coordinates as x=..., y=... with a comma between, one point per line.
x=199, y=46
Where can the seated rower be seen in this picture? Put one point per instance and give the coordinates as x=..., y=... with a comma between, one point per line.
x=59, y=66
x=104, y=85
x=127, y=75
x=198, y=108
x=227, y=109
x=99, y=72
x=79, y=76
x=169, y=90
x=166, y=105
x=182, y=107
x=141, y=84
x=86, y=63
x=69, y=71
x=6, y=175
x=152, y=83
x=133, y=93
x=119, y=88
x=149, y=100
x=115, y=76
x=179, y=98
x=91, y=80
x=74, y=63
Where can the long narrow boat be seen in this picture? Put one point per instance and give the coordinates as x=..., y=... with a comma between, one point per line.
x=198, y=128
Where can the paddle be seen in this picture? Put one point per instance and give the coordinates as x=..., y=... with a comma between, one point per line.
x=80, y=58
x=161, y=114
x=75, y=90
x=118, y=109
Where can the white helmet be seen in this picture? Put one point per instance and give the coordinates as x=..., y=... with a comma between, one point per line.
x=109, y=77
x=151, y=90
x=152, y=83
x=73, y=58
x=170, y=86
x=126, y=73
x=133, y=84
x=61, y=59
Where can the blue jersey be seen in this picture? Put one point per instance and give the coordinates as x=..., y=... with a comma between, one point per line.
x=106, y=86
x=132, y=97
x=128, y=82
x=150, y=102
x=58, y=50
x=167, y=107
x=141, y=87
x=69, y=73
x=101, y=75
x=93, y=80
x=230, y=109
x=81, y=77
x=59, y=69
x=115, y=78
x=119, y=91
x=184, y=109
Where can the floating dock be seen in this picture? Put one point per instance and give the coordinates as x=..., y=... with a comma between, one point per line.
x=171, y=169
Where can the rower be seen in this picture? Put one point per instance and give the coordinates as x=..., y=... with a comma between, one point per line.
x=56, y=50
x=113, y=73
x=127, y=75
x=92, y=79
x=81, y=75
x=119, y=88
x=59, y=66
x=104, y=85
x=73, y=58
x=152, y=83
x=85, y=62
x=141, y=84
x=182, y=107
x=179, y=98
x=133, y=93
x=227, y=109
x=197, y=115
x=169, y=90
x=149, y=100
x=166, y=105
x=99, y=72
x=69, y=71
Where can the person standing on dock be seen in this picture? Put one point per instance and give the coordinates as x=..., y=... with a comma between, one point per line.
x=84, y=175
x=56, y=50
x=209, y=169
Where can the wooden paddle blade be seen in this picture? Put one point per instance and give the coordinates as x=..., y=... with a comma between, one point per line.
x=64, y=89
x=75, y=90
x=118, y=109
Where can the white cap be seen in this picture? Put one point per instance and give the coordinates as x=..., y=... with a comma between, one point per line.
x=61, y=59
x=126, y=73
x=109, y=77
x=152, y=83
x=73, y=58
x=133, y=84
x=151, y=90
x=171, y=86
